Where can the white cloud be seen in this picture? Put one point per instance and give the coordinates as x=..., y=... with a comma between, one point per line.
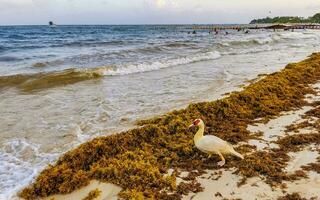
x=149, y=11
x=161, y=3
x=12, y=4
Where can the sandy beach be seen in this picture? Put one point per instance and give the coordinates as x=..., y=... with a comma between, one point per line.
x=273, y=122
x=65, y=94
x=222, y=184
x=159, y=100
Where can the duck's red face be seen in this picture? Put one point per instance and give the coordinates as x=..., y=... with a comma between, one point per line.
x=195, y=123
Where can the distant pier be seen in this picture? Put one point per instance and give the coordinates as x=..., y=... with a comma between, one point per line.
x=253, y=26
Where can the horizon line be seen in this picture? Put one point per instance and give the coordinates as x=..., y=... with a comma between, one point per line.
x=142, y=24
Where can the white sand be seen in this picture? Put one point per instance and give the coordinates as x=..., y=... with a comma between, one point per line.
x=256, y=188
x=301, y=158
x=108, y=192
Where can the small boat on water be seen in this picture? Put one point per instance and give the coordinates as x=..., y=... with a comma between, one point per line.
x=52, y=25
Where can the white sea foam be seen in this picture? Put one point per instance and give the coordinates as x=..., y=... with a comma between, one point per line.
x=264, y=40
x=145, y=67
x=257, y=43
x=76, y=130
x=16, y=170
x=269, y=38
x=296, y=35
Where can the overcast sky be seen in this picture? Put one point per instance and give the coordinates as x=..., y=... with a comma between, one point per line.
x=149, y=11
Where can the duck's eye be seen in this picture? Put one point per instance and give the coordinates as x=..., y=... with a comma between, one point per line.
x=196, y=122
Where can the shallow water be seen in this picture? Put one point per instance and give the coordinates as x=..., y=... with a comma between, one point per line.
x=154, y=71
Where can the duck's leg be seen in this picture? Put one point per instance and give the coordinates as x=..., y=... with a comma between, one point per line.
x=223, y=161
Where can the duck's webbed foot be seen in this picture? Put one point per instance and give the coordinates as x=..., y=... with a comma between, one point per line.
x=223, y=161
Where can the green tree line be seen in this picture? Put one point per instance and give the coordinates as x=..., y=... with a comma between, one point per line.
x=287, y=19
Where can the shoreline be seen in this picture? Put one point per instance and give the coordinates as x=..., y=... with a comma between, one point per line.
x=140, y=161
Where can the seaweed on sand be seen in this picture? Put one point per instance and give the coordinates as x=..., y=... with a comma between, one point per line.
x=138, y=159
x=93, y=195
x=268, y=164
x=312, y=167
x=296, y=127
x=297, y=142
x=293, y=196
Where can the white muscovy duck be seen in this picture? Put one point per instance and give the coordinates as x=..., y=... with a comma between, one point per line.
x=211, y=144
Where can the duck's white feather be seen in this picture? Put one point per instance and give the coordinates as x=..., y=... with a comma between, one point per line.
x=213, y=144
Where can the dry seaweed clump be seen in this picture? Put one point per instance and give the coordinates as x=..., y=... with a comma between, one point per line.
x=56, y=180
x=293, y=196
x=297, y=142
x=269, y=165
x=313, y=166
x=93, y=195
x=296, y=127
x=138, y=160
x=138, y=172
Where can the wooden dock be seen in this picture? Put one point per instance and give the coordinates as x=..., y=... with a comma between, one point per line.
x=246, y=27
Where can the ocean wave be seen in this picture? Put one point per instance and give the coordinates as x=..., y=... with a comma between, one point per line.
x=2, y=48
x=16, y=37
x=9, y=58
x=269, y=39
x=266, y=40
x=158, y=48
x=180, y=44
x=145, y=67
x=252, y=41
x=245, y=51
x=298, y=45
x=89, y=43
x=103, y=57
x=31, y=46
x=296, y=35
x=39, y=81
x=151, y=49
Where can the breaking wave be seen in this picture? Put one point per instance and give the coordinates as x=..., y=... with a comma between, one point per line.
x=33, y=82
x=269, y=39
x=145, y=67
x=251, y=41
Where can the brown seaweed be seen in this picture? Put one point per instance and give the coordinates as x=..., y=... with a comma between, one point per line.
x=93, y=195
x=293, y=196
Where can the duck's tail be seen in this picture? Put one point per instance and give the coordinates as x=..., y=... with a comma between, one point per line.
x=233, y=152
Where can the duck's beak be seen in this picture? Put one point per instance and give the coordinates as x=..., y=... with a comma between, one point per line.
x=192, y=125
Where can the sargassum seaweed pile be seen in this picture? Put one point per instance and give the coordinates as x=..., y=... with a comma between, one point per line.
x=138, y=160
